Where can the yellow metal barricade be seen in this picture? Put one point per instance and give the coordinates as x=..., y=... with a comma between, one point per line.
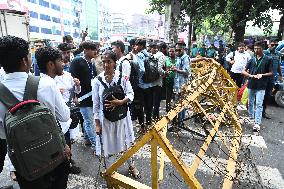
x=210, y=82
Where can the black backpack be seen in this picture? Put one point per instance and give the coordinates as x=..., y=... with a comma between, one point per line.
x=35, y=141
x=151, y=69
x=134, y=77
x=119, y=112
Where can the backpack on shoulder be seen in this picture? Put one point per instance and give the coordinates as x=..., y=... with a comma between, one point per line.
x=119, y=112
x=151, y=69
x=35, y=141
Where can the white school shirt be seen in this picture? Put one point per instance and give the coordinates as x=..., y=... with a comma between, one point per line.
x=126, y=67
x=2, y=74
x=66, y=81
x=241, y=60
x=48, y=94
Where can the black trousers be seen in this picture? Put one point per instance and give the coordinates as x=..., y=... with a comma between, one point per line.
x=146, y=100
x=169, y=95
x=136, y=106
x=3, y=152
x=57, y=179
x=237, y=78
x=157, y=97
x=267, y=95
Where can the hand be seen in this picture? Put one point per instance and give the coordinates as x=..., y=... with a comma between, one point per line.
x=98, y=128
x=113, y=103
x=75, y=100
x=61, y=90
x=84, y=34
x=232, y=61
x=77, y=82
x=280, y=79
x=258, y=76
x=67, y=152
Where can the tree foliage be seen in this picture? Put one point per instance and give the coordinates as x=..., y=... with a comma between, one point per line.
x=224, y=14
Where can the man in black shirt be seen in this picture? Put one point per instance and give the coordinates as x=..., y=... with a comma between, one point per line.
x=83, y=69
x=258, y=70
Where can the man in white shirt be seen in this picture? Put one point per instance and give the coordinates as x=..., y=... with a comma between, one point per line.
x=16, y=64
x=157, y=85
x=239, y=60
x=122, y=63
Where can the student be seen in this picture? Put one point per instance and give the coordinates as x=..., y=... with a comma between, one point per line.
x=37, y=45
x=16, y=63
x=259, y=71
x=68, y=86
x=122, y=63
x=84, y=69
x=116, y=136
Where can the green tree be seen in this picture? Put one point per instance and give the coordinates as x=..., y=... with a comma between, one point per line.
x=225, y=14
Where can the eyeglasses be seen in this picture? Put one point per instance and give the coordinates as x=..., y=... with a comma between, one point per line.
x=178, y=50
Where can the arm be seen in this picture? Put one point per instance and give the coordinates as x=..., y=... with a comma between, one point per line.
x=62, y=112
x=96, y=104
x=280, y=72
x=229, y=57
x=74, y=68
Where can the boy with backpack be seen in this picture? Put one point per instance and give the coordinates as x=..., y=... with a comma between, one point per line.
x=36, y=144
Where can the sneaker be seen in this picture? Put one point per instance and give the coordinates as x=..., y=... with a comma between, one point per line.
x=256, y=128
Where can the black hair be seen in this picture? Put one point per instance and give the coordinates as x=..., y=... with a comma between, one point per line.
x=273, y=40
x=250, y=46
x=67, y=38
x=141, y=42
x=241, y=45
x=153, y=44
x=132, y=42
x=46, y=54
x=12, y=51
x=181, y=44
x=163, y=45
x=172, y=46
x=64, y=47
x=259, y=44
x=111, y=55
x=89, y=45
x=39, y=41
x=119, y=44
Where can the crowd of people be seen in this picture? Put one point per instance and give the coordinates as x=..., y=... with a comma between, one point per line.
x=102, y=94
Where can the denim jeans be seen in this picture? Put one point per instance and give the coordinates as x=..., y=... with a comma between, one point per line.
x=255, y=96
x=87, y=113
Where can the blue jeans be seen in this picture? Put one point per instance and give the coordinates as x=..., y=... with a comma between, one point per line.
x=256, y=96
x=181, y=117
x=87, y=113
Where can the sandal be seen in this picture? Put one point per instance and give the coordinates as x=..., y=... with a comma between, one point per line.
x=134, y=172
x=13, y=175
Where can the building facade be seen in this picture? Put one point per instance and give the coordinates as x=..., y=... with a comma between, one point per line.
x=52, y=19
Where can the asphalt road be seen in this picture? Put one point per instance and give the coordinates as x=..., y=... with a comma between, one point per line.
x=260, y=163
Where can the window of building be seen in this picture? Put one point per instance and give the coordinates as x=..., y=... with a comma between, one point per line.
x=32, y=1
x=45, y=17
x=66, y=22
x=55, y=7
x=46, y=31
x=58, y=32
x=34, y=29
x=56, y=20
x=33, y=14
x=66, y=33
x=44, y=3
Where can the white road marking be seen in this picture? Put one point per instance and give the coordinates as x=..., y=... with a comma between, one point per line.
x=271, y=177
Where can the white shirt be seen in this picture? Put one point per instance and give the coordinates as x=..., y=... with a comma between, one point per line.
x=66, y=82
x=241, y=60
x=126, y=67
x=48, y=94
x=161, y=62
x=2, y=74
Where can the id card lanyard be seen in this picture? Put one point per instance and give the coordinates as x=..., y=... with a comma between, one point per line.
x=91, y=67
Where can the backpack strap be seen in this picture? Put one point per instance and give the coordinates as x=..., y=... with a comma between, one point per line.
x=101, y=80
x=7, y=97
x=31, y=88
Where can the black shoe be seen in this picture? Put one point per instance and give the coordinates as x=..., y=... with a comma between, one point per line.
x=7, y=187
x=75, y=170
x=266, y=116
x=72, y=162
